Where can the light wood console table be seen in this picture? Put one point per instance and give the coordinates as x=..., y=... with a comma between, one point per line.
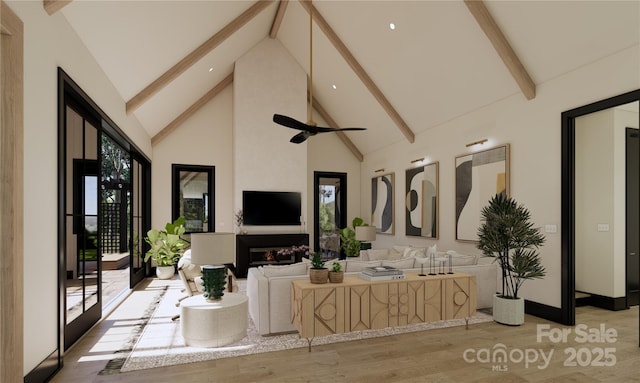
x=358, y=304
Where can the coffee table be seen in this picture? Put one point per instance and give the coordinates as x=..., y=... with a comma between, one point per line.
x=216, y=323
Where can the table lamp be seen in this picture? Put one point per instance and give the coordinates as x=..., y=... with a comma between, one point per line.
x=365, y=234
x=212, y=251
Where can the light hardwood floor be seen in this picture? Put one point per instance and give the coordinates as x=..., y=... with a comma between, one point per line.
x=430, y=356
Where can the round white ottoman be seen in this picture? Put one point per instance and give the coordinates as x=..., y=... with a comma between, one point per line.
x=213, y=324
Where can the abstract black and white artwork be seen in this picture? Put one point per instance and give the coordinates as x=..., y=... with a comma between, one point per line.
x=479, y=176
x=421, y=213
x=382, y=203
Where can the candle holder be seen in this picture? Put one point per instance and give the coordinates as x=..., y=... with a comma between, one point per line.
x=432, y=268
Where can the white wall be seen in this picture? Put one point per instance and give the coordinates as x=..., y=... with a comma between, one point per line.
x=204, y=139
x=49, y=42
x=532, y=128
x=268, y=80
x=594, y=204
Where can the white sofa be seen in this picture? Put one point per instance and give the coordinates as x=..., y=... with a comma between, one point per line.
x=269, y=287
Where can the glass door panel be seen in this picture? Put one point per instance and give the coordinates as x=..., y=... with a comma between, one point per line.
x=330, y=212
x=82, y=250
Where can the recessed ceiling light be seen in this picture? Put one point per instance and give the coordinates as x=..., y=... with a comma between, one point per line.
x=334, y=86
x=392, y=26
x=211, y=69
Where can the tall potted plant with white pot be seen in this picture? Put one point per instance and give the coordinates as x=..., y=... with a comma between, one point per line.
x=508, y=235
x=166, y=247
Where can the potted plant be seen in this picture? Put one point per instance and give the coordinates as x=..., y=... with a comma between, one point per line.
x=336, y=275
x=348, y=241
x=318, y=273
x=166, y=247
x=508, y=235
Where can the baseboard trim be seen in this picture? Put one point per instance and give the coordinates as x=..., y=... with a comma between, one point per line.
x=45, y=370
x=543, y=311
x=608, y=303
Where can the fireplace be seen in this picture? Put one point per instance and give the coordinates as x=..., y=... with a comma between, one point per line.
x=259, y=256
x=255, y=250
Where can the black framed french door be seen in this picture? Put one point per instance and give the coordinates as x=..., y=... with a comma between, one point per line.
x=330, y=211
x=82, y=255
x=104, y=204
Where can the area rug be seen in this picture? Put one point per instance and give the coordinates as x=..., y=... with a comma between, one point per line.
x=160, y=342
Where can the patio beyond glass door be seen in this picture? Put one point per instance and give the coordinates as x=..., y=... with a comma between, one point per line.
x=83, y=250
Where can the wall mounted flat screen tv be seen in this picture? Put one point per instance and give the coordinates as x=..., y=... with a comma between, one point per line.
x=271, y=208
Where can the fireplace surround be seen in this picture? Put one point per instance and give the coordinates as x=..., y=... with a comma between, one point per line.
x=253, y=250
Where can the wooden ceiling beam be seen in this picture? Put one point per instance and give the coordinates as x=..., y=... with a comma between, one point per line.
x=196, y=55
x=331, y=122
x=359, y=71
x=277, y=21
x=53, y=6
x=173, y=125
x=488, y=25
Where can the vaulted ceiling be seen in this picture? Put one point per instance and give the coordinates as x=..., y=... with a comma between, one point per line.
x=442, y=60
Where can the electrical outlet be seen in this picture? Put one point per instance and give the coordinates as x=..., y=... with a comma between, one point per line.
x=603, y=227
x=550, y=228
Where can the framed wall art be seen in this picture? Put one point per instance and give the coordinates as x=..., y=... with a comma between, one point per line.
x=479, y=176
x=421, y=204
x=382, y=210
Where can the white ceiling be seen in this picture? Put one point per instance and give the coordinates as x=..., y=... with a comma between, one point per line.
x=435, y=66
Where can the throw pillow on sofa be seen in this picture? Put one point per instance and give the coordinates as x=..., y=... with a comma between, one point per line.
x=458, y=259
x=377, y=254
x=357, y=266
x=413, y=252
x=299, y=268
x=406, y=263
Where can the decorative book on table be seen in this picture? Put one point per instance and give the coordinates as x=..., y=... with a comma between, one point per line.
x=381, y=270
x=381, y=273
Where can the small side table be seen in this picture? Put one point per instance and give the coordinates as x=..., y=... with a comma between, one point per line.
x=214, y=324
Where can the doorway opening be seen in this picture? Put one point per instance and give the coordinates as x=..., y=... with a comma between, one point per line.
x=570, y=187
x=330, y=212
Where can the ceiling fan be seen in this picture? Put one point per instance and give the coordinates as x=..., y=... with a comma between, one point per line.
x=310, y=128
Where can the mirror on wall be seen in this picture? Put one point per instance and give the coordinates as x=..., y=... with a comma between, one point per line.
x=193, y=196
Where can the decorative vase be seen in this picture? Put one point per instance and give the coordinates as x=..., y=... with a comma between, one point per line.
x=318, y=276
x=165, y=272
x=508, y=311
x=213, y=281
x=336, y=276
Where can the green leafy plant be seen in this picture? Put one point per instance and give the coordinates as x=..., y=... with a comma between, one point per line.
x=336, y=267
x=316, y=261
x=166, y=245
x=508, y=235
x=348, y=241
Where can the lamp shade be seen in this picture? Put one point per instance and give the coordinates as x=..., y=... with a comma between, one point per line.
x=213, y=248
x=365, y=233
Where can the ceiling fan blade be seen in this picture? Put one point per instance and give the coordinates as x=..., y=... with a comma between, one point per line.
x=327, y=130
x=341, y=129
x=289, y=122
x=300, y=137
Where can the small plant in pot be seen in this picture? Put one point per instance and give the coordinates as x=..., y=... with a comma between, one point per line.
x=166, y=247
x=336, y=275
x=508, y=235
x=318, y=273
